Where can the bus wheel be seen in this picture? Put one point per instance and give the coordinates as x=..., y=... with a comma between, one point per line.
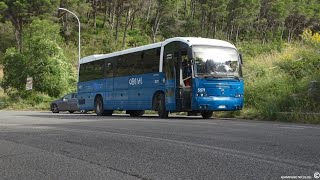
x=136, y=113
x=99, y=106
x=206, y=114
x=162, y=106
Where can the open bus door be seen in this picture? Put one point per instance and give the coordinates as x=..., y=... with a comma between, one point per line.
x=177, y=66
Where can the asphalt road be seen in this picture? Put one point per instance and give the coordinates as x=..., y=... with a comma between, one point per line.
x=42, y=145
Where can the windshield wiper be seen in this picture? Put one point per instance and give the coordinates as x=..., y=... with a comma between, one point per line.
x=210, y=76
x=234, y=77
x=216, y=76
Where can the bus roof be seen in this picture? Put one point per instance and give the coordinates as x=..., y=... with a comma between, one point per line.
x=189, y=40
x=118, y=53
x=203, y=41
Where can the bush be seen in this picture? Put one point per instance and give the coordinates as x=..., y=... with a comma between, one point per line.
x=251, y=50
x=3, y=100
x=42, y=59
x=30, y=100
x=277, y=84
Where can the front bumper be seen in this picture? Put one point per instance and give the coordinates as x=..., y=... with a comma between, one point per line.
x=214, y=103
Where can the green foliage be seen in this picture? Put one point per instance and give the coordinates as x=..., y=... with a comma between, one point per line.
x=137, y=38
x=3, y=99
x=306, y=64
x=22, y=12
x=3, y=8
x=269, y=94
x=29, y=100
x=252, y=49
x=51, y=72
x=7, y=38
x=14, y=68
x=41, y=59
x=280, y=91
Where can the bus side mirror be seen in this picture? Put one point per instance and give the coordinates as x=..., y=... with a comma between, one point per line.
x=192, y=61
x=241, y=60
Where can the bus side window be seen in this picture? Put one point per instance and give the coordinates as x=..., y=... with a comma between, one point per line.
x=136, y=64
x=151, y=61
x=82, y=72
x=99, y=68
x=121, y=67
x=131, y=64
x=108, y=70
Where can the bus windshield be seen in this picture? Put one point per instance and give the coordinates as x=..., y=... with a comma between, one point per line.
x=216, y=62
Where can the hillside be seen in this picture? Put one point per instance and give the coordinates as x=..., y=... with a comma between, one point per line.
x=279, y=84
x=278, y=39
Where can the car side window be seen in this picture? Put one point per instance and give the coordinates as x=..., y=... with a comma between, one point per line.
x=74, y=95
x=69, y=96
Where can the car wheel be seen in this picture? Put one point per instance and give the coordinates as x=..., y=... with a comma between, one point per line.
x=54, y=108
x=71, y=112
x=206, y=114
x=84, y=111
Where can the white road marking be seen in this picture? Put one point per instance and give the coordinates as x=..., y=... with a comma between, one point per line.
x=292, y=127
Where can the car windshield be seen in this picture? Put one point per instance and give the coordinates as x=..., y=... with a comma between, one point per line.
x=216, y=62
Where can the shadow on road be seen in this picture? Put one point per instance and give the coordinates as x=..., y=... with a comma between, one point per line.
x=79, y=116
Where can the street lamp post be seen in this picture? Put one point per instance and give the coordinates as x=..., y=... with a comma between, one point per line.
x=79, y=43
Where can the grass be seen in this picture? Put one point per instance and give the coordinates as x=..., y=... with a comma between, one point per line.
x=277, y=84
x=24, y=101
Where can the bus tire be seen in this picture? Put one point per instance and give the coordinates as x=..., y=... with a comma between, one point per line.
x=136, y=113
x=98, y=106
x=162, y=112
x=206, y=114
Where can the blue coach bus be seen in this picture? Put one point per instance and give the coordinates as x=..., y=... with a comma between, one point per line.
x=194, y=75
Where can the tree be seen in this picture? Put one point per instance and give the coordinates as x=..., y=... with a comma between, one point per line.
x=301, y=15
x=271, y=19
x=7, y=38
x=14, y=69
x=21, y=12
x=42, y=59
x=242, y=14
x=51, y=72
x=163, y=12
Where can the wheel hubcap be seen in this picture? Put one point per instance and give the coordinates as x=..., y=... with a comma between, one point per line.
x=99, y=107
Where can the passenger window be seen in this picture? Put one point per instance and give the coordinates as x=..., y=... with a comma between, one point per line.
x=109, y=70
x=67, y=97
x=151, y=61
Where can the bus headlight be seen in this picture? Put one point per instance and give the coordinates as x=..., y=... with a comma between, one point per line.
x=238, y=95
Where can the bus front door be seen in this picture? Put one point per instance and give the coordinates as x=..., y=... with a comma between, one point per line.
x=170, y=84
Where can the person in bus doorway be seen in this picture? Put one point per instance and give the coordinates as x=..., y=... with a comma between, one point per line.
x=186, y=73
